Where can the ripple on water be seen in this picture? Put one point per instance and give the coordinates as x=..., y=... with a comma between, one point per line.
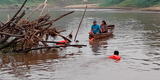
x=153, y=54
x=157, y=69
x=158, y=64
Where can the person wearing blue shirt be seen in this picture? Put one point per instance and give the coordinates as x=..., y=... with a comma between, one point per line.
x=95, y=28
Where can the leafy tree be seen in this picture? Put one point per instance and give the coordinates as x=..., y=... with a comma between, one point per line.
x=111, y=2
x=139, y=3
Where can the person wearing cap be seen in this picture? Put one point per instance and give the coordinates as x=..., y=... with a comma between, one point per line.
x=95, y=28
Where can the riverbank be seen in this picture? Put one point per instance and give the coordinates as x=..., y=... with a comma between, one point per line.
x=90, y=6
x=96, y=6
x=136, y=36
x=152, y=9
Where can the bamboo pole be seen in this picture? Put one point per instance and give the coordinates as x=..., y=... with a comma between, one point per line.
x=80, y=23
x=44, y=6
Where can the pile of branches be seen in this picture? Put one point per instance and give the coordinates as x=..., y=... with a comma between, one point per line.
x=21, y=34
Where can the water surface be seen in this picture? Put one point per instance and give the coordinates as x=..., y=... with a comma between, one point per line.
x=136, y=36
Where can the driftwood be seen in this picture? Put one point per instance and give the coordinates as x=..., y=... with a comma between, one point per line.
x=13, y=18
x=26, y=34
x=8, y=44
x=4, y=39
x=54, y=20
x=13, y=35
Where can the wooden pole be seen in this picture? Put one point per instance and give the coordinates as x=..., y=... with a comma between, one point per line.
x=44, y=6
x=80, y=23
x=54, y=42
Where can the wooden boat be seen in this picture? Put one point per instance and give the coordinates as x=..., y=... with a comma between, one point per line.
x=103, y=35
x=99, y=36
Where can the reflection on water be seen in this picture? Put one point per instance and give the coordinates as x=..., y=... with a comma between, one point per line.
x=136, y=36
x=96, y=45
x=20, y=64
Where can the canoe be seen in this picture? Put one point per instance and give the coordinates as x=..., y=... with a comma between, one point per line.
x=103, y=35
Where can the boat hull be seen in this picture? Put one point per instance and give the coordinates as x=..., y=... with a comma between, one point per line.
x=101, y=35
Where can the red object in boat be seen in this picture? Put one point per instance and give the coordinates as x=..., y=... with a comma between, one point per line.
x=91, y=39
x=115, y=57
x=61, y=42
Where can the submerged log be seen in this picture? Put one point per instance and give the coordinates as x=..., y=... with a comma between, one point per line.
x=54, y=42
x=49, y=47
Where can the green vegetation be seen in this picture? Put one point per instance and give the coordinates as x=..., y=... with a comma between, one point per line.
x=131, y=3
x=12, y=3
x=4, y=3
x=9, y=2
x=104, y=3
x=111, y=2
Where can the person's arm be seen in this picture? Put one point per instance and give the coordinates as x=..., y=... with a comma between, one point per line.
x=91, y=29
x=100, y=28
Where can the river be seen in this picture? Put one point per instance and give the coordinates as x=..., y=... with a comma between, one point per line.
x=136, y=36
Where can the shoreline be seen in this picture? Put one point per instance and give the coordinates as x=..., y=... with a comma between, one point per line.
x=91, y=6
x=95, y=6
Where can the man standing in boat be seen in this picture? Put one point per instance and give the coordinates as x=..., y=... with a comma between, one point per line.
x=95, y=28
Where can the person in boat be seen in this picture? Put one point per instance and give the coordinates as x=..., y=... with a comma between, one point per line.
x=115, y=56
x=104, y=27
x=95, y=28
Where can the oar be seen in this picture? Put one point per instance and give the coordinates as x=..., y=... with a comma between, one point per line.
x=81, y=21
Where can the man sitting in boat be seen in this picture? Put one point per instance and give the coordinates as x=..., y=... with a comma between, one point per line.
x=95, y=28
x=104, y=27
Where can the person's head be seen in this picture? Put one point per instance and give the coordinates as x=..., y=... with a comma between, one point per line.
x=116, y=52
x=104, y=22
x=94, y=22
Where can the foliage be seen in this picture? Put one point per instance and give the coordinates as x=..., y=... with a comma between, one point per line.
x=111, y=2
x=131, y=3
x=122, y=3
x=139, y=3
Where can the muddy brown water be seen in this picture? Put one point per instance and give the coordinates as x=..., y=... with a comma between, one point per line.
x=136, y=36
